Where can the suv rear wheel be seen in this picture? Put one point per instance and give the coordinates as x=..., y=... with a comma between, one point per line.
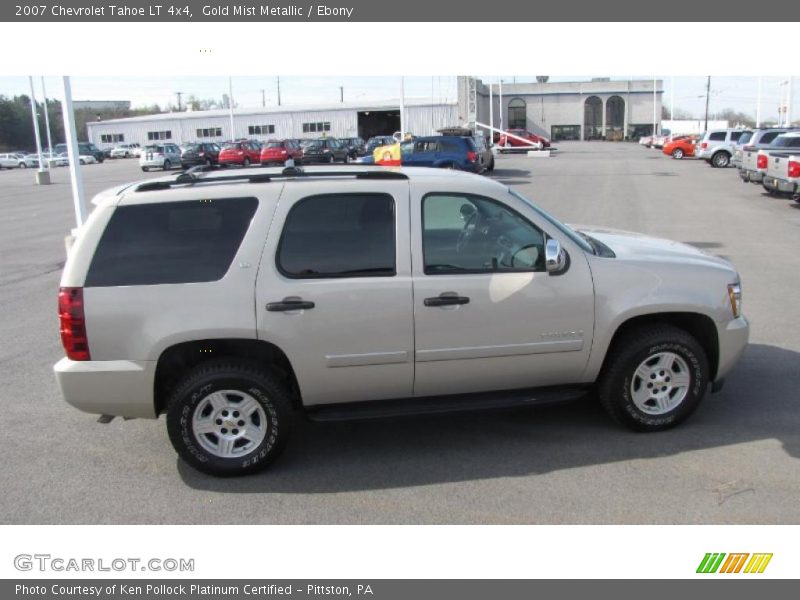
x=654, y=379
x=721, y=159
x=229, y=417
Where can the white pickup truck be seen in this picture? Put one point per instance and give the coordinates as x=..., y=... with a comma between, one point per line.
x=781, y=165
x=746, y=154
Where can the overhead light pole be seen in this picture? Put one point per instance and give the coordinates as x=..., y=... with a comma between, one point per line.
x=47, y=118
x=230, y=105
x=708, y=96
x=42, y=174
x=71, y=135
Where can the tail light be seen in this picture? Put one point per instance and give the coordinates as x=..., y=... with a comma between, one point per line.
x=761, y=161
x=472, y=156
x=704, y=145
x=794, y=169
x=73, y=323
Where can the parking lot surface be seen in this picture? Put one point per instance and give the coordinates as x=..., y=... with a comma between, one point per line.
x=737, y=460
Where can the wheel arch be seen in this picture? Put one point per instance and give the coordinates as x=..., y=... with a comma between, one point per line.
x=699, y=326
x=176, y=361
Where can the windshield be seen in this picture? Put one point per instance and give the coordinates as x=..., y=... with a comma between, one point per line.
x=569, y=232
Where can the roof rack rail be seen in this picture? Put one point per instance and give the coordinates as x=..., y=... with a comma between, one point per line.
x=190, y=177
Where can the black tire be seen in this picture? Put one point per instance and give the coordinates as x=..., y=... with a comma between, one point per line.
x=209, y=162
x=167, y=165
x=145, y=169
x=721, y=159
x=490, y=168
x=246, y=162
x=346, y=159
x=630, y=351
x=677, y=153
x=23, y=165
x=229, y=374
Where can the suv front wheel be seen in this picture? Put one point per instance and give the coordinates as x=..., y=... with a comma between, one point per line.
x=655, y=378
x=229, y=417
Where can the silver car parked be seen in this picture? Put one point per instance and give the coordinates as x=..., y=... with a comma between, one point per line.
x=160, y=156
x=717, y=146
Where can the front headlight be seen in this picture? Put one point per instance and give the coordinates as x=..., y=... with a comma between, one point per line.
x=735, y=295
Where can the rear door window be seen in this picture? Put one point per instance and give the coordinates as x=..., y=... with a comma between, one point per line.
x=171, y=242
x=339, y=235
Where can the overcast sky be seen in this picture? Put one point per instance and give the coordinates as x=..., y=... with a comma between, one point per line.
x=739, y=93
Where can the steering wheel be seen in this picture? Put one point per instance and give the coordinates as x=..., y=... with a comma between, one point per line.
x=465, y=235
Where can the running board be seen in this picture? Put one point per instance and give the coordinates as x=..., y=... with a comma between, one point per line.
x=433, y=405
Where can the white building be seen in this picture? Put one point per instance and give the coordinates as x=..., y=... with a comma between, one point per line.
x=581, y=110
x=422, y=117
x=584, y=110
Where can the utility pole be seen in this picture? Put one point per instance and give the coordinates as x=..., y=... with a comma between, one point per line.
x=263, y=98
x=789, y=103
x=179, y=94
x=708, y=95
x=341, y=94
x=47, y=118
x=279, y=90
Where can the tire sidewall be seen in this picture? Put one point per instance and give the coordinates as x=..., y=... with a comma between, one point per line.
x=699, y=381
x=182, y=409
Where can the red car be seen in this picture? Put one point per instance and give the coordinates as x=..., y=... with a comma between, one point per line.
x=522, y=133
x=240, y=153
x=681, y=146
x=279, y=151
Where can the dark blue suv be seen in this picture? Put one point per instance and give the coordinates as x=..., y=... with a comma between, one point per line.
x=442, y=151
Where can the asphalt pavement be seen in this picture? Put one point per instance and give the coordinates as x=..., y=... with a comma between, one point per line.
x=735, y=461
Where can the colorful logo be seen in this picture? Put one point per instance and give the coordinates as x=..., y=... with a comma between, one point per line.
x=719, y=562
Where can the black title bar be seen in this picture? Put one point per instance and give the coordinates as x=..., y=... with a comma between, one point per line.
x=462, y=11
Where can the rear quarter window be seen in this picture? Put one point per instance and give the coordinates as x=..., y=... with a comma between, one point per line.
x=171, y=242
x=717, y=136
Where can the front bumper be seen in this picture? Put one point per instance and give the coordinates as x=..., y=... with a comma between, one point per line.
x=123, y=388
x=779, y=185
x=733, y=337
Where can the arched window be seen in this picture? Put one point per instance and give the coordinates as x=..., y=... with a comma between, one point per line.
x=615, y=113
x=592, y=118
x=517, y=118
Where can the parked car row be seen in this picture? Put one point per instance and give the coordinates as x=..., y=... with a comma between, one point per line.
x=19, y=160
x=769, y=156
x=244, y=153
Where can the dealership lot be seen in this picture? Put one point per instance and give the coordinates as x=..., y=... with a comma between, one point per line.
x=735, y=461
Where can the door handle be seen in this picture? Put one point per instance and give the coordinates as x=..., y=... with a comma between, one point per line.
x=289, y=304
x=446, y=300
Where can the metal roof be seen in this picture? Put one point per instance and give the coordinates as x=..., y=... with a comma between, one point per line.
x=392, y=104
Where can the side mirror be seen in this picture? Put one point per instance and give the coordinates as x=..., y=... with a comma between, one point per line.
x=555, y=257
